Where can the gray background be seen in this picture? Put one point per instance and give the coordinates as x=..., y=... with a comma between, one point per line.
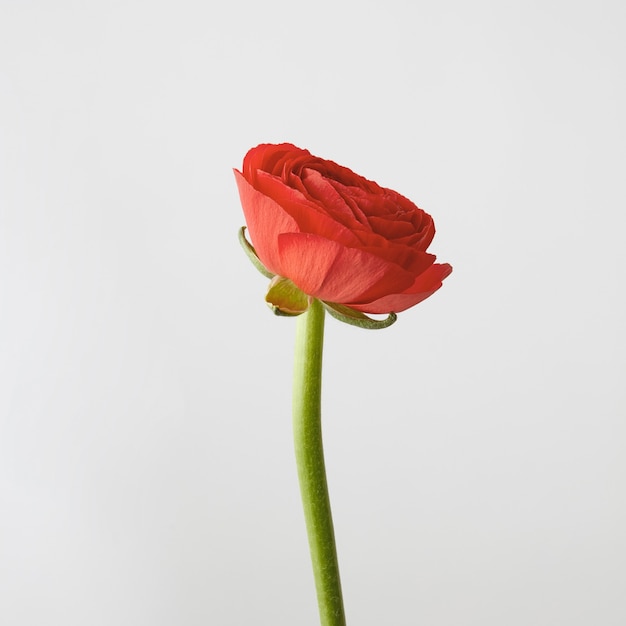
x=475, y=449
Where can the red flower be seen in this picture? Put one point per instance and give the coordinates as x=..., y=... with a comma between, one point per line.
x=335, y=235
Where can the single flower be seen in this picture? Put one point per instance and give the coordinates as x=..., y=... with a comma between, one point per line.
x=334, y=235
x=329, y=240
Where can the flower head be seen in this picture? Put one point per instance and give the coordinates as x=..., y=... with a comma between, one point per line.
x=335, y=235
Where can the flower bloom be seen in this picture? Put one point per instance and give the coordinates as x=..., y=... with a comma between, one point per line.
x=335, y=235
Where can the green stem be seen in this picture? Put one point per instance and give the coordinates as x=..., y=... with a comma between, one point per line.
x=307, y=431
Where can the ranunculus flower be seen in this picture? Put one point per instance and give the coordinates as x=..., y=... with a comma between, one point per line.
x=335, y=235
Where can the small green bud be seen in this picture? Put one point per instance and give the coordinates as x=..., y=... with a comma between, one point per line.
x=284, y=298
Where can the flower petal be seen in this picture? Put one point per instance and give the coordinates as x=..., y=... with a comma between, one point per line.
x=329, y=271
x=266, y=219
x=325, y=194
x=309, y=215
x=272, y=158
x=411, y=260
x=424, y=286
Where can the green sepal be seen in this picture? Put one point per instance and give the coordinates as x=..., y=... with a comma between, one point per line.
x=248, y=248
x=284, y=298
x=356, y=318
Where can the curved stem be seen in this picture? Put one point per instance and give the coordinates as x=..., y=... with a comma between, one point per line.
x=307, y=430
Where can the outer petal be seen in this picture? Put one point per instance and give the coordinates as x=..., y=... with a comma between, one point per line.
x=424, y=286
x=411, y=260
x=329, y=271
x=266, y=220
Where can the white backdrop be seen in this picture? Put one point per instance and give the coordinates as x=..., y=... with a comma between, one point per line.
x=476, y=450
